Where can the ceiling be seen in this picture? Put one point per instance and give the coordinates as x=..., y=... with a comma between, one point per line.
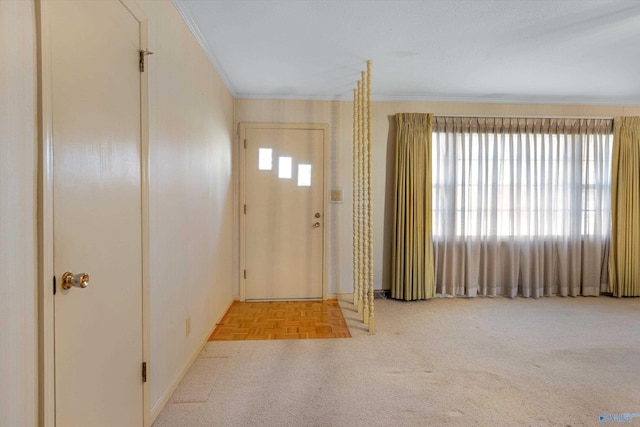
x=530, y=51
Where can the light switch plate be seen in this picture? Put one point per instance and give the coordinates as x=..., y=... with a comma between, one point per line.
x=336, y=195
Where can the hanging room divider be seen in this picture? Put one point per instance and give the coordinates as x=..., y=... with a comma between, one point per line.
x=362, y=209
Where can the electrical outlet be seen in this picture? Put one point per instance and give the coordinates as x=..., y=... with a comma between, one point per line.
x=188, y=325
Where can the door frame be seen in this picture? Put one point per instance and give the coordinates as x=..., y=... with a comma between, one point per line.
x=46, y=318
x=242, y=133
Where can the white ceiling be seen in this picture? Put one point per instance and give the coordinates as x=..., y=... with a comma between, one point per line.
x=535, y=51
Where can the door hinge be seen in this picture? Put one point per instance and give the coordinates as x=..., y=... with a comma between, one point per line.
x=54, y=285
x=245, y=144
x=245, y=209
x=245, y=274
x=144, y=372
x=142, y=54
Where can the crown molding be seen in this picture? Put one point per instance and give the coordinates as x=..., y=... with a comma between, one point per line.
x=266, y=96
x=202, y=41
x=509, y=100
x=449, y=99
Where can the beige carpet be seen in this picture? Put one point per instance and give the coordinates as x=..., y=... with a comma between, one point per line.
x=445, y=362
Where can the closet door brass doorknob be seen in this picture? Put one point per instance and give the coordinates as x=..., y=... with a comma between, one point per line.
x=316, y=225
x=70, y=280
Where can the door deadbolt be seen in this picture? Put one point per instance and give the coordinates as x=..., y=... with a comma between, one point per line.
x=69, y=280
x=317, y=215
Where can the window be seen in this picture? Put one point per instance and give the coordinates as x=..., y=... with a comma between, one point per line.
x=284, y=167
x=265, y=159
x=521, y=206
x=304, y=175
x=520, y=183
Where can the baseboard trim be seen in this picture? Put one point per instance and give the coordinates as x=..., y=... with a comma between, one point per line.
x=377, y=293
x=340, y=296
x=158, y=407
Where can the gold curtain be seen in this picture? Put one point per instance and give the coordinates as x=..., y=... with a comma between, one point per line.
x=412, y=256
x=624, y=263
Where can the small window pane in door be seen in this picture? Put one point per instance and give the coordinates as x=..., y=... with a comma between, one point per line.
x=265, y=159
x=284, y=167
x=304, y=175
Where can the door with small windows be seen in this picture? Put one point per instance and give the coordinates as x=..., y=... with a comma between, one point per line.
x=283, y=213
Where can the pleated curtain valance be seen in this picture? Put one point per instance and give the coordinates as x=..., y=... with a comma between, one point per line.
x=501, y=125
x=412, y=252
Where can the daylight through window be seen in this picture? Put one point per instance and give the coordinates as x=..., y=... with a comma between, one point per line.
x=521, y=184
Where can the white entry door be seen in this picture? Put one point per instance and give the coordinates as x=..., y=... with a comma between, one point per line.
x=284, y=213
x=96, y=140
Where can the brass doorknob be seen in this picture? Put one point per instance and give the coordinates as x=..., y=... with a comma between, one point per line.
x=316, y=225
x=70, y=280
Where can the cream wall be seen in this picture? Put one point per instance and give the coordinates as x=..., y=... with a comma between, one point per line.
x=18, y=345
x=338, y=114
x=190, y=199
x=191, y=221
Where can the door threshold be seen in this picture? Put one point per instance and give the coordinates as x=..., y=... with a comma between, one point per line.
x=284, y=299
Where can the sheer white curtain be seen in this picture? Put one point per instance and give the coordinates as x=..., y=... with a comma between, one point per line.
x=521, y=206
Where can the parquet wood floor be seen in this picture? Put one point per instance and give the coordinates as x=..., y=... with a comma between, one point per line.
x=281, y=320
